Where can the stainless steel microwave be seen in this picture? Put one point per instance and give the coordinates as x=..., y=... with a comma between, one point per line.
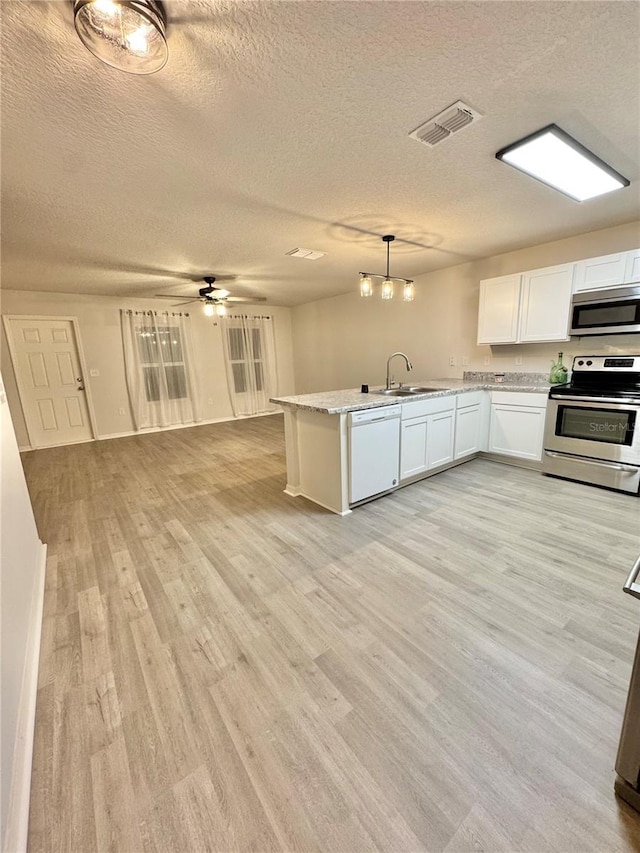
x=614, y=311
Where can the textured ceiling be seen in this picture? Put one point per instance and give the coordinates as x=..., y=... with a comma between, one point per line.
x=284, y=124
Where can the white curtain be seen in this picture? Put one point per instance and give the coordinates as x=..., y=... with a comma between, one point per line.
x=159, y=367
x=250, y=360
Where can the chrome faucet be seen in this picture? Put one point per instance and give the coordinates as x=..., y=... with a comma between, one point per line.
x=390, y=380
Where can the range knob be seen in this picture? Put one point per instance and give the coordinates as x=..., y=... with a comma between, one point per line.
x=581, y=362
x=589, y=363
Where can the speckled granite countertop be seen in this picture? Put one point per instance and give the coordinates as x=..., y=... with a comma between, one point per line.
x=352, y=399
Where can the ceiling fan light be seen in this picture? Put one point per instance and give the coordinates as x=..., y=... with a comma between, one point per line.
x=408, y=292
x=209, y=309
x=387, y=289
x=221, y=309
x=366, y=285
x=126, y=34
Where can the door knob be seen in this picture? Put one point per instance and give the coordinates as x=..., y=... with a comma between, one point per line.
x=81, y=385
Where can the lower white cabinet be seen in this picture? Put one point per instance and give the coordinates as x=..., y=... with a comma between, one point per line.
x=517, y=424
x=427, y=435
x=413, y=447
x=471, y=423
x=440, y=439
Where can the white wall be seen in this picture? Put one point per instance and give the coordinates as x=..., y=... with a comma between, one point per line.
x=101, y=337
x=344, y=341
x=21, y=576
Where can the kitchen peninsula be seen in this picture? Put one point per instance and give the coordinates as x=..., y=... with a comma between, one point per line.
x=346, y=447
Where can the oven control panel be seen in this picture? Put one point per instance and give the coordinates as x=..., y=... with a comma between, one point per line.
x=604, y=363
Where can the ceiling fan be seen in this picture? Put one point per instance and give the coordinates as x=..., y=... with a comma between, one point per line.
x=214, y=298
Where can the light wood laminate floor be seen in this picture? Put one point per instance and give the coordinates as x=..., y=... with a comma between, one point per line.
x=225, y=668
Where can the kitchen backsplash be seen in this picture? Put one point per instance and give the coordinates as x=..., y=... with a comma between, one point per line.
x=509, y=378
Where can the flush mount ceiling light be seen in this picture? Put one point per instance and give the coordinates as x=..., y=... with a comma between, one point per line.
x=386, y=291
x=126, y=34
x=553, y=157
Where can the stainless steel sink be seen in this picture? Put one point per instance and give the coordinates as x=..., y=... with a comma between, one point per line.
x=397, y=392
x=409, y=391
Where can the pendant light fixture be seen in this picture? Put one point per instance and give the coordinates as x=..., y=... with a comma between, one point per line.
x=386, y=291
x=127, y=34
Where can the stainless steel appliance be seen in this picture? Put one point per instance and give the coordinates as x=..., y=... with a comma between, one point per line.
x=592, y=427
x=627, y=784
x=614, y=311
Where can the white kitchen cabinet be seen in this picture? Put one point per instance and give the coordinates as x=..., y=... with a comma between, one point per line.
x=527, y=308
x=413, y=447
x=632, y=267
x=440, y=433
x=517, y=424
x=499, y=310
x=427, y=434
x=596, y=273
x=472, y=424
x=545, y=304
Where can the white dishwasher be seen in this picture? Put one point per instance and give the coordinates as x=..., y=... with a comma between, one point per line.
x=374, y=452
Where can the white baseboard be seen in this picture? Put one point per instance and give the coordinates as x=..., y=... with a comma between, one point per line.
x=15, y=840
x=147, y=430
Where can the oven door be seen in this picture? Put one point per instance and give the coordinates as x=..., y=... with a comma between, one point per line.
x=600, y=429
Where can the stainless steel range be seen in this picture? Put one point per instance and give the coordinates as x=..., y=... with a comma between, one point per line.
x=590, y=429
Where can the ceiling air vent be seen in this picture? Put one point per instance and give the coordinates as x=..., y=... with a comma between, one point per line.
x=445, y=124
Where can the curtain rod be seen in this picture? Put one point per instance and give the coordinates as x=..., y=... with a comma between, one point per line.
x=155, y=313
x=249, y=317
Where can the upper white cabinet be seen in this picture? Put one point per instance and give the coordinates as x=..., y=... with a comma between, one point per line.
x=594, y=273
x=499, y=310
x=545, y=304
x=632, y=268
x=526, y=308
x=607, y=271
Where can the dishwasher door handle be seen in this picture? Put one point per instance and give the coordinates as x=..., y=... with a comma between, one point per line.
x=631, y=585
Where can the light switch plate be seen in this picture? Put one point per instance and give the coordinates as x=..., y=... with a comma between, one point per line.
x=519, y=360
x=94, y=372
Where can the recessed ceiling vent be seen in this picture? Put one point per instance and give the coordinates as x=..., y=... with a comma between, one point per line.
x=445, y=124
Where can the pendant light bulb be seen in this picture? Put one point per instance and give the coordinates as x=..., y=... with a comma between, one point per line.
x=129, y=35
x=209, y=309
x=221, y=309
x=408, y=292
x=387, y=289
x=366, y=285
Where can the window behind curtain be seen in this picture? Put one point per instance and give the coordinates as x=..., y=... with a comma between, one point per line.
x=168, y=341
x=245, y=354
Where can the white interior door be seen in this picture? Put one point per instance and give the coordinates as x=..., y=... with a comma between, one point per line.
x=50, y=381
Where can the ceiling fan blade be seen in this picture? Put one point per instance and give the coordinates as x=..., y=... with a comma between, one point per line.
x=247, y=299
x=175, y=296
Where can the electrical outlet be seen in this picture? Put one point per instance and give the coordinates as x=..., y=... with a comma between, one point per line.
x=487, y=359
x=452, y=361
x=519, y=360
x=121, y=411
x=210, y=401
x=465, y=361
